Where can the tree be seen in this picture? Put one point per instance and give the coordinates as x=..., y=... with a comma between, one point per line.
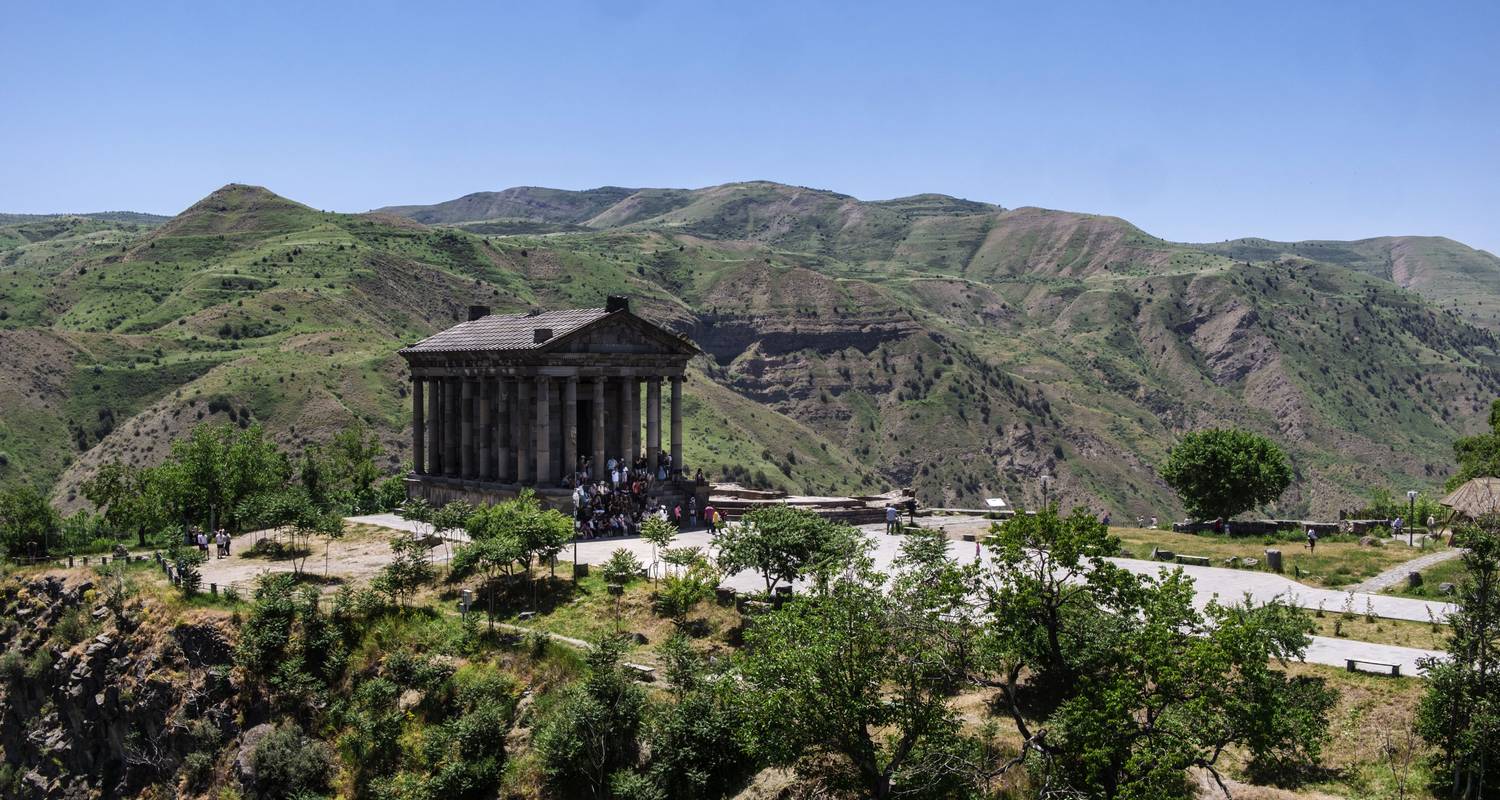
x=1040, y=603
x=683, y=590
x=1222, y=472
x=408, y=569
x=126, y=496
x=1128, y=685
x=1460, y=714
x=862, y=668
x=659, y=533
x=536, y=533
x=592, y=732
x=1478, y=456
x=218, y=467
x=622, y=567
x=781, y=543
x=28, y=523
x=696, y=747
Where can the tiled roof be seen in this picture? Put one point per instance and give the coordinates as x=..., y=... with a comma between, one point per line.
x=507, y=331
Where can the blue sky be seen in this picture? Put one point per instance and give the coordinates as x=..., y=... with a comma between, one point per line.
x=1197, y=121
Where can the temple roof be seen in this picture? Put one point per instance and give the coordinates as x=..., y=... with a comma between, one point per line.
x=509, y=331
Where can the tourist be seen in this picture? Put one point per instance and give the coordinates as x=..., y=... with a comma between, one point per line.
x=677, y=516
x=892, y=519
x=708, y=518
x=698, y=477
x=222, y=542
x=203, y=543
x=1154, y=524
x=911, y=511
x=692, y=512
x=1312, y=540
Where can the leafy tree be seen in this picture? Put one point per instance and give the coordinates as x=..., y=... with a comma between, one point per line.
x=592, y=733
x=1041, y=604
x=531, y=533
x=217, y=467
x=1460, y=714
x=862, y=668
x=1128, y=685
x=1478, y=456
x=410, y=567
x=683, y=590
x=128, y=497
x=622, y=567
x=659, y=533
x=781, y=543
x=1222, y=472
x=696, y=747
x=28, y=523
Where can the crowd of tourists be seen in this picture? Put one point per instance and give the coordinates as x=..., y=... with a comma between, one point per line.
x=615, y=499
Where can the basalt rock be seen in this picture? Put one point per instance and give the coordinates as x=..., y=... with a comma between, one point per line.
x=93, y=705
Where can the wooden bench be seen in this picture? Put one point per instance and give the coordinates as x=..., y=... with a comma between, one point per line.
x=1197, y=561
x=1352, y=665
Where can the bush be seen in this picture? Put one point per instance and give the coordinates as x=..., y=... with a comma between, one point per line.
x=197, y=768
x=288, y=763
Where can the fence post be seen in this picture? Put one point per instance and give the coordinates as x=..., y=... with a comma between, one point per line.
x=70, y=561
x=213, y=589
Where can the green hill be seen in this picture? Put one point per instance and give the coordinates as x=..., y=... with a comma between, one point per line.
x=955, y=346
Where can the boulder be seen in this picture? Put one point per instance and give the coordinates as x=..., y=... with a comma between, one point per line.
x=1413, y=579
x=243, y=763
x=1368, y=541
x=1447, y=588
x=1251, y=563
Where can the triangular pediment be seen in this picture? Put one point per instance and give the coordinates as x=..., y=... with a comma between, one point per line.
x=622, y=332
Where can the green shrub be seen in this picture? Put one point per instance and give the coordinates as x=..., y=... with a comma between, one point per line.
x=288, y=763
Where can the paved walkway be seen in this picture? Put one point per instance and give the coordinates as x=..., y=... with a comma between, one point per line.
x=1228, y=585
x=1397, y=574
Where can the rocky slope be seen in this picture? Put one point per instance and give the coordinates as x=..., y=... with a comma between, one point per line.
x=102, y=702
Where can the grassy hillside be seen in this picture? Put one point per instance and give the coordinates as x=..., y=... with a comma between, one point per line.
x=954, y=346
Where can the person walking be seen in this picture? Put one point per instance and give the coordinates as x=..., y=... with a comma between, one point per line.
x=692, y=512
x=892, y=519
x=222, y=542
x=1312, y=540
x=708, y=519
x=203, y=543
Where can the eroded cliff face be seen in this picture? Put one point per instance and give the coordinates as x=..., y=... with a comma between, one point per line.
x=103, y=697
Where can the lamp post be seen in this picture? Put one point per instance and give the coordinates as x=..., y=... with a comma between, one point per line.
x=1046, y=484
x=1411, y=518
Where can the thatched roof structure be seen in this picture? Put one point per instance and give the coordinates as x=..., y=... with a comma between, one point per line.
x=1476, y=498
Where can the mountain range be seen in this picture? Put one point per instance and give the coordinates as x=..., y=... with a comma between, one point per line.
x=962, y=348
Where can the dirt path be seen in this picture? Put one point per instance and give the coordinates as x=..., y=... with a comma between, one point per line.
x=1398, y=573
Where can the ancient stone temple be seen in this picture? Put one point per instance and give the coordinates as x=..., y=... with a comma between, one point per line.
x=505, y=401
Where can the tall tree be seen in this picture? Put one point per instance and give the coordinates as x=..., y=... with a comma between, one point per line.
x=861, y=668
x=1460, y=714
x=1222, y=472
x=28, y=523
x=781, y=543
x=1118, y=685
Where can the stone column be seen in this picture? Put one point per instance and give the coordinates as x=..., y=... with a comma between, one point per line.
x=598, y=469
x=466, y=428
x=653, y=422
x=544, y=475
x=505, y=427
x=633, y=386
x=434, y=429
x=452, y=427
x=621, y=434
x=676, y=422
x=523, y=429
x=570, y=426
x=418, y=429
x=486, y=429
